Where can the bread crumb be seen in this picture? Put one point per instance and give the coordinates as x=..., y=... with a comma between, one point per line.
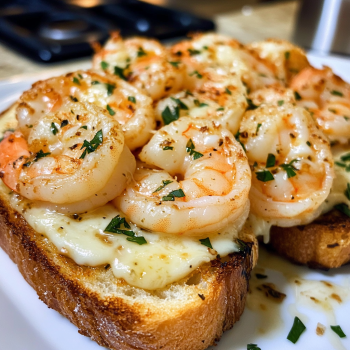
x=320, y=329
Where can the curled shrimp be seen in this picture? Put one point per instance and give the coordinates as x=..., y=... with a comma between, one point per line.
x=215, y=49
x=286, y=59
x=220, y=96
x=327, y=97
x=132, y=109
x=73, y=160
x=195, y=180
x=142, y=62
x=292, y=162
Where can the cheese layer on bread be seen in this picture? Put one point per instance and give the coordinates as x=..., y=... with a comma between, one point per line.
x=163, y=260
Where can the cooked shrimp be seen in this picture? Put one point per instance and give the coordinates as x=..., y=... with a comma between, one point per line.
x=220, y=97
x=195, y=181
x=327, y=97
x=123, y=101
x=142, y=62
x=215, y=49
x=74, y=159
x=276, y=95
x=292, y=162
x=286, y=59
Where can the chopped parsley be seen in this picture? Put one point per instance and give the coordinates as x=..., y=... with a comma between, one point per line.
x=297, y=329
x=95, y=82
x=339, y=331
x=220, y=109
x=76, y=81
x=271, y=160
x=190, y=149
x=258, y=127
x=206, y=242
x=115, y=227
x=228, y=91
x=308, y=143
x=54, y=129
x=239, y=140
x=80, y=76
x=289, y=168
x=343, y=208
x=171, y=196
x=64, y=123
x=41, y=154
x=287, y=55
x=179, y=103
x=199, y=76
x=252, y=347
x=346, y=117
x=297, y=96
x=104, y=65
x=141, y=52
x=347, y=191
x=119, y=72
x=92, y=145
x=110, y=110
x=332, y=110
x=264, y=176
x=345, y=157
x=165, y=182
x=110, y=89
x=83, y=127
x=251, y=105
x=193, y=52
x=74, y=99
x=168, y=148
x=280, y=102
x=342, y=165
x=337, y=93
x=175, y=64
x=170, y=115
x=242, y=246
x=132, y=99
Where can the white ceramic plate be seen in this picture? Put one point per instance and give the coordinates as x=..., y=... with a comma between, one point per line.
x=27, y=324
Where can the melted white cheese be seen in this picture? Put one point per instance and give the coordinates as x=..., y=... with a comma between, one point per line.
x=163, y=260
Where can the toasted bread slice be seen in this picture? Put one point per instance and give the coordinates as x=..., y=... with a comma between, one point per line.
x=323, y=244
x=190, y=314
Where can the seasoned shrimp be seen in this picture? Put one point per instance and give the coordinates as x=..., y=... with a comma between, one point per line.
x=195, y=181
x=276, y=95
x=286, y=59
x=123, y=101
x=220, y=97
x=327, y=97
x=74, y=159
x=292, y=162
x=215, y=49
x=142, y=62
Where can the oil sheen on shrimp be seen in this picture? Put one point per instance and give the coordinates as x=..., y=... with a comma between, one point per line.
x=132, y=109
x=142, y=62
x=73, y=160
x=219, y=96
x=194, y=181
x=327, y=97
x=291, y=161
x=215, y=49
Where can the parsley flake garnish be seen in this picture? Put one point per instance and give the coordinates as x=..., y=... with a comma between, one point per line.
x=239, y=140
x=289, y=168
x=170, y=115
x=165, y=182
x=95, y=82
x=193, y=52
x=54, y=129
x=280, y=102
x=190, y=149
x=297, y=96
x=119, y=72
x=342, y=165
x=115, y=227
x=141, y=52
x=104, y=65
x=228, y=91
x=206, y=242
x=92, y=145
x=347, y=191
x=345, y=157
x=242, y=246
x=110, y=110
x=297, y=329
x=110, y=89
x=171, y=196
x=80, y=76
x=264, y=176
x=180, y=104
x=271, y=160
x=308, y=143
x=76, y=81
x=343, y=208
x=337, y=93
x=287, y=55
x=258, y=127
x=252, y=347
x=346, y=118
x=175, y=64
x=251, y=105
x=220, y=109
x=339, y=331
x=199, y=76
x=132, y=99
x=83, y=127
x=74, y=99
x=41, y=154
x=168, y=148
x=64, y=123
